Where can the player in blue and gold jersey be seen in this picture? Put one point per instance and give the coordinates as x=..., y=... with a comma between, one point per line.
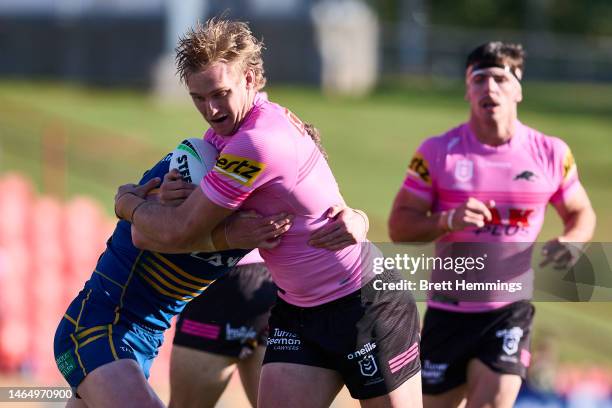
x=126, y=305
x=113, y=329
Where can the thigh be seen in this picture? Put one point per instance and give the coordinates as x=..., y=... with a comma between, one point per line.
x=506, y=343
x=197, y=378
x=297, y=386
x=381, y=349
x=290, y=341
x=118, y=384
x=87, y=339
x=75, y=402
x=447, y=341
x=486, y=387
x=407, y=395
x=454, y=398
x=250, y=372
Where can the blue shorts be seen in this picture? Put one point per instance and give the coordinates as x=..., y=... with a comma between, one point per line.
x=90, y=335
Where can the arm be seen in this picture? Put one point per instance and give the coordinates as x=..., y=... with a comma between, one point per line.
x=172, y=192
x=579, y=222
x=185, y=228
x=194, y=225
x=411, y=219
x=348, y=227
x=578, y=217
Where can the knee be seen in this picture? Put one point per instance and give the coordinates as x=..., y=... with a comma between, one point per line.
x=149, y=400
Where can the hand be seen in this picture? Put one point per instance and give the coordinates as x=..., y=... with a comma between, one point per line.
x=472, y=213
x=346, y=228
x=563, y=255
x=247, y=229
x=125, y=210
x=174, y=190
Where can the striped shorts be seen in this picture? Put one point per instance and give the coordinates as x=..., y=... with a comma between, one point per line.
x=90, y=335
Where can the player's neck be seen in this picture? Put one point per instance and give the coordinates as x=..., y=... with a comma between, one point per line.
x=493, y=132
x=248, y=107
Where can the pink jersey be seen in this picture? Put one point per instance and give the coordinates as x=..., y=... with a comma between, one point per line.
x=271, y=165
x=252, y=257
x=521, y=177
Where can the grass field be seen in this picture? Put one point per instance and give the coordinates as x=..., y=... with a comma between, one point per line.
x=107, y=138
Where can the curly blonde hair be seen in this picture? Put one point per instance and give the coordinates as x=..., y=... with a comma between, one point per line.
x=220, y=40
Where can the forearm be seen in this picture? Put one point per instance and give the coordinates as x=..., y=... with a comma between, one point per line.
x=143, y=242
x=579, y=226
x=407, y=225
x=162, y=228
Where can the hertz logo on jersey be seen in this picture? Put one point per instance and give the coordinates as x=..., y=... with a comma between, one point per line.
x=420, y=168
x=241, y=169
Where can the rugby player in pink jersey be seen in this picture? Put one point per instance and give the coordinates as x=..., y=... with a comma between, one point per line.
x=329, y=327
x=483, y=187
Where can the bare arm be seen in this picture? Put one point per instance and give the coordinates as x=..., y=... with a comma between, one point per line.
x=194, y=225
x=578, y=217
x=411, y=219
x=579, y=222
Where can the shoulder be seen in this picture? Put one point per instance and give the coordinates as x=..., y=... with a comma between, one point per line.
x=551, y=146
x=269, y=129
x=553, y=152
x=443, y=143
x=269, y=117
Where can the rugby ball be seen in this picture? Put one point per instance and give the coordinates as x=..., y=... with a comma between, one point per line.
x=193, y=158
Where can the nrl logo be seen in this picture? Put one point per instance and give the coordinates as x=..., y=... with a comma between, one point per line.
x=368, y=366
x=511, y=339
x=525, y=175
x=464, y=170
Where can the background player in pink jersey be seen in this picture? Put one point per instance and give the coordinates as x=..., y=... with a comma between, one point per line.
x=329, y=326
x=487, y=181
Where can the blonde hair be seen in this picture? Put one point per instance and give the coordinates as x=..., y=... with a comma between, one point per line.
x=220, y=40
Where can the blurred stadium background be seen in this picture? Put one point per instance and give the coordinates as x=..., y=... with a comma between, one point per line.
x=88, y=100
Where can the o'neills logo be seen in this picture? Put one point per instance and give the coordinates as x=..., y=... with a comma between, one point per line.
x=362, y=351
x=241, y=169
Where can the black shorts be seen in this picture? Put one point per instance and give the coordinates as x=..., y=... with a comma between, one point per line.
x=499, y=338
x=231, y=316
x=371, y=337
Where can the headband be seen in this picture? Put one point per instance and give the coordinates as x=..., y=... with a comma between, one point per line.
x=479, y=67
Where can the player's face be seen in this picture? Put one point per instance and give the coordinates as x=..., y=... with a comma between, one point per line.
x=493, y=94
x=223, y=95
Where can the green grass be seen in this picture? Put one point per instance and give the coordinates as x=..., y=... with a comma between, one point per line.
x=111, y=137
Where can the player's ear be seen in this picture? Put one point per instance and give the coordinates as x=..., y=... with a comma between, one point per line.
x=249, y=76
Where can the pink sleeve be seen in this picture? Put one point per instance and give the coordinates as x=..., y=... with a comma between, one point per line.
x=565, y=171
x=243, y=166
x=419, y=177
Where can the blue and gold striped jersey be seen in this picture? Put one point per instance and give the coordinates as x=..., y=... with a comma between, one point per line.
x=149, y=287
